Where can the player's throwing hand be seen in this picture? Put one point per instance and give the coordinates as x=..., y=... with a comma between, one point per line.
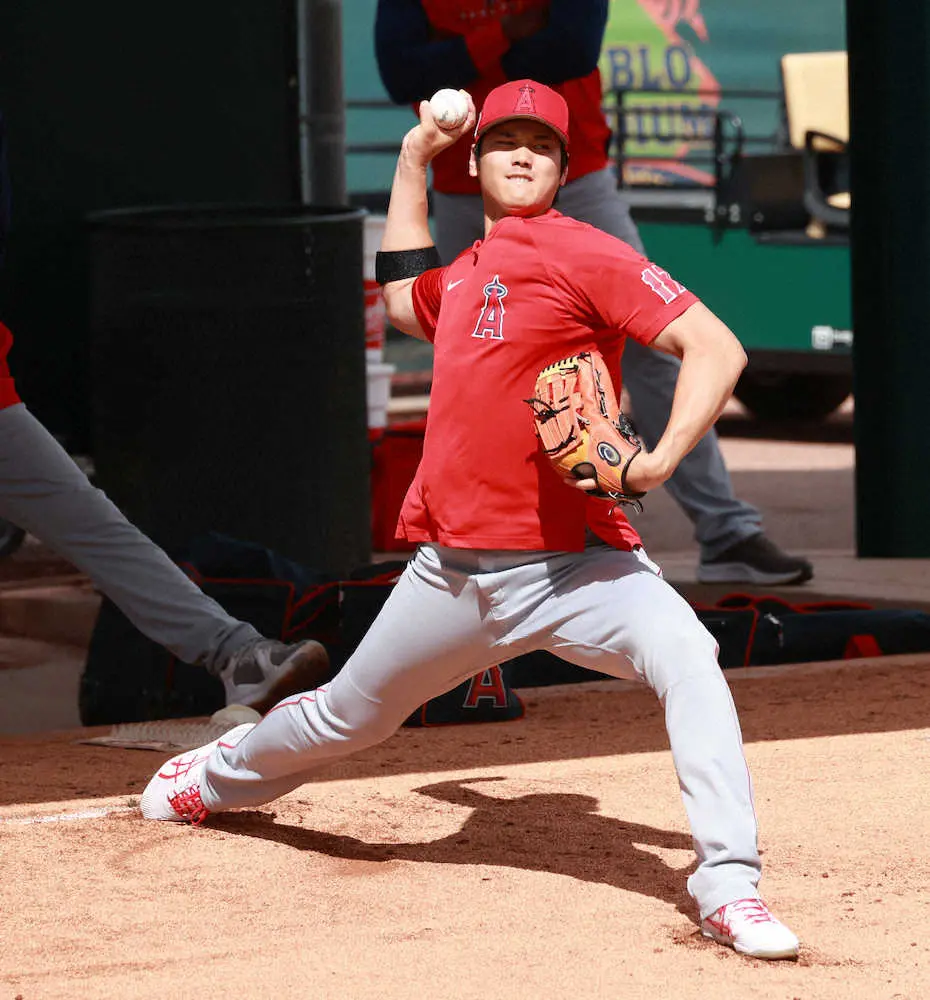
x=427, y=140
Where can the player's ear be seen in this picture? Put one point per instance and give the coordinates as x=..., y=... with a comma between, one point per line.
x=564, y=176
x=473, y=161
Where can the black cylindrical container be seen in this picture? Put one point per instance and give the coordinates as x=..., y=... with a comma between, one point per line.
x=228, y=373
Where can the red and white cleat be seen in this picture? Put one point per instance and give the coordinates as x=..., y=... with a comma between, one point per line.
x=174, y=792
x=748, y=926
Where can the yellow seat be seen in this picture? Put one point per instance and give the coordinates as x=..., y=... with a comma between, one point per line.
x=817, y=111
x=816, y=95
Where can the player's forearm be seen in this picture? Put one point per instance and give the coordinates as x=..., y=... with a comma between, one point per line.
x=705, y=384
x=406, y=228
x=407, y=224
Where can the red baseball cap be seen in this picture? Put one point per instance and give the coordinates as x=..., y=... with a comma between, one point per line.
x=524, y=99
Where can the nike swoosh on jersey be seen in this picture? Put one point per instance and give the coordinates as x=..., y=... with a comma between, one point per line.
x=452, y=284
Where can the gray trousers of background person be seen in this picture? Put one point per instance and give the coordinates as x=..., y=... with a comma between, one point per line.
x=701, y=484
x=44, y=492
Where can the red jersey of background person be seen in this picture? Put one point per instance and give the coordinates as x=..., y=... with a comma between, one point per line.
x=535, y=290
x=8, y=394
x=479, y=23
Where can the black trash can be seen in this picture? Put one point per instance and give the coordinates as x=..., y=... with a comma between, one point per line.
x=228, y=375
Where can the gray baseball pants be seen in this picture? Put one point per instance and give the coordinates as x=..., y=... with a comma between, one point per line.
x=454, y=613
x=44, y=492
x=701, y=484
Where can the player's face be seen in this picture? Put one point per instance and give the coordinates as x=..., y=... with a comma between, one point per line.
x=520, y=168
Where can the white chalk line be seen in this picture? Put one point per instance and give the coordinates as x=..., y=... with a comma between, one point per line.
x=66, y=817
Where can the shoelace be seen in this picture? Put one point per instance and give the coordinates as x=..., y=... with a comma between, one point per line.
x=754, y=910
x=188, y=805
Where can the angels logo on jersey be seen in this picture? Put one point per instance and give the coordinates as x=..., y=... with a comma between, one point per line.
x=491, y=321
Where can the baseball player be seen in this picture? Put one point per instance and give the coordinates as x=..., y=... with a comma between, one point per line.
x=423, y=45
x=43, y=491
x=511, y=558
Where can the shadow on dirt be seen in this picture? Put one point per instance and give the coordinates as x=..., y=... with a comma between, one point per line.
x=561, y=834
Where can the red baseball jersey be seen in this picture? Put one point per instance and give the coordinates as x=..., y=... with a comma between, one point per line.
x=534, y=291
x=480, y=24
x=8, y=394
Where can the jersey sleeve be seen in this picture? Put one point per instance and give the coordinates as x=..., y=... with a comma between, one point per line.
x=427, y=298
x=621, y=288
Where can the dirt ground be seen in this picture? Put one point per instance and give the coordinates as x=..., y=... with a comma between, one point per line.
x=544, y=858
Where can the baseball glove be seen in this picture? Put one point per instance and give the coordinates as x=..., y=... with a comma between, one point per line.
x=581, y=427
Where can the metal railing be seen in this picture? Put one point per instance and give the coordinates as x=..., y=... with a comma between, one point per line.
x=718, y=147
x=723, y=142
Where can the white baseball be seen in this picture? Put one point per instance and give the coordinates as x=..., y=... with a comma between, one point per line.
x=449, y=108
x=235, y=715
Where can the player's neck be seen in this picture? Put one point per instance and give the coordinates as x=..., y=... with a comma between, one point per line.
x=492, y=216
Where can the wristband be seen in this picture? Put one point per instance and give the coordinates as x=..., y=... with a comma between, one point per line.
x=395, y=265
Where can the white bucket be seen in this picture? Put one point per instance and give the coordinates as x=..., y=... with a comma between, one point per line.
x=375, y=319
x=379, y=392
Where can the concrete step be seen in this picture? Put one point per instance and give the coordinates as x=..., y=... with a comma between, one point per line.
x=59, y=613
x=39, y=684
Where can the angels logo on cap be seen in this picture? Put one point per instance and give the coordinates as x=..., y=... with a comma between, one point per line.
x=525, y=103
x=524, y=99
